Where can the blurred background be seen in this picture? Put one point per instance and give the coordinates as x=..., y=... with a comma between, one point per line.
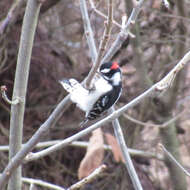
x=60, y=51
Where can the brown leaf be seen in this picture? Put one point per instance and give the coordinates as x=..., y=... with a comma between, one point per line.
x=115, y=147
x=94, y=154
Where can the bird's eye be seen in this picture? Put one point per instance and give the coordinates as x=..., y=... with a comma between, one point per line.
x=106, y=70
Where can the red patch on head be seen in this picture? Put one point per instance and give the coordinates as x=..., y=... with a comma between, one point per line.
x=114, y=66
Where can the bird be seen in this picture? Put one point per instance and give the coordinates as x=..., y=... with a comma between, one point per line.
x=107, y=88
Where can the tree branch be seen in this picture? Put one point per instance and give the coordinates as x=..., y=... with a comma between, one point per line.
x=88, y=30
x=104, y=16
x=89, y=178
x=165, y=124
x=41, y=183
x=83, y=144
x=124, y=149
x=169, y=155
x=124, y=33
x=5, y=97
x=20, y=86
x=103, y=44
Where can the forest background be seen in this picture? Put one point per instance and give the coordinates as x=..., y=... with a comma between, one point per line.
x=157, y=41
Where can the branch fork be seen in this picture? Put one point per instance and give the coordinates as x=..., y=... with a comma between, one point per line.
x=168, y=80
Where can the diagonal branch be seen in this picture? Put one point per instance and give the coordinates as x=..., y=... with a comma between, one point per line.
x=89, y=178
x=169, y=155
x=41, y=183
x=18, y=158
x=151, y=91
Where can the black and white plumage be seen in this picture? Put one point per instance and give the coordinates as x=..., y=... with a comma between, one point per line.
x=105, y=93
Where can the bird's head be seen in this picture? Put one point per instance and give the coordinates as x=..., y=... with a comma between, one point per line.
x=111, y=72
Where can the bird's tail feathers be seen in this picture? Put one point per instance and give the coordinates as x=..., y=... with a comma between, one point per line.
x=69, y=84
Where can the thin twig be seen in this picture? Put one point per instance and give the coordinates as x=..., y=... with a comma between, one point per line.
x=5, y=97
x=88, y=30
x=104, y=16
x=41, y=183
x=165, y=124
x=82, y=144
x=123, y=33
x=174, y=160
x=128, y=162
x=88, y=179
x=103, y=44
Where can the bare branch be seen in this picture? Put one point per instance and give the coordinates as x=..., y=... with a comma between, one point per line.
x=88, y=30
x=122, y=36
x=89, y=178
x=5, y=97
x=41, y=183
x=20, y=86
x=128, y=162
x=169, y=155
x=167, y=81
x=165, y=124
x=103, y=44
x=82, y=144
x=104, y=16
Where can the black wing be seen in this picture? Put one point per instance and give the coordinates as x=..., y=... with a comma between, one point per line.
x=104, y=103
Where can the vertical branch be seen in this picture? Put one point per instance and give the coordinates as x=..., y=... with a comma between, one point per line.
x=117, y=128
x=128, y=162
x=103, y=44
x=20, y=86
x=88, y=30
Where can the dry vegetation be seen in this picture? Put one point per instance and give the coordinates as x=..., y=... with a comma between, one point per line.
x=60, y=51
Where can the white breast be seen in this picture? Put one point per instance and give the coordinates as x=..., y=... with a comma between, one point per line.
x=85, y=99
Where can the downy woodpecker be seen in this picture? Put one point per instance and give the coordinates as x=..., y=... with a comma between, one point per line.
x=105, y=93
